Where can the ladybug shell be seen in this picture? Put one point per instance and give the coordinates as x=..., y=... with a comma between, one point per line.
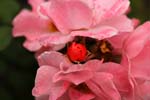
x=77, y=52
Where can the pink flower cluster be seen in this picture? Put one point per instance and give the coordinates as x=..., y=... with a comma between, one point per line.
x=52, y=25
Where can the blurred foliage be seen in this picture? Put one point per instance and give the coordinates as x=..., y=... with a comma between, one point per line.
x=140, y=9
x=7, y=10
x=17, y=65
x=5, y=36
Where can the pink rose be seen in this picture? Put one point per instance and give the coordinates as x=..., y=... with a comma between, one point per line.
x=101, y=74
x=137, y=49
x=51, y=24
x=128, y=80
x=59, y=79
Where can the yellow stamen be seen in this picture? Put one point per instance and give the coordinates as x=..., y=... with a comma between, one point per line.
x=104, y=48
x=52, y=27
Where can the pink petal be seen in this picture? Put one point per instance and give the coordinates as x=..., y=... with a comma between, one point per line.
x=43, y=10
x=55, y=39
x=35, y=3
x=51, y=58
x=43, y=81
x=45, y=97
x=134, y=81
x=77, y=95
x=122, y=23
x=75, y=74
x=105, y=86
x=45, y=86
x=136, y=22
x=47, y=42
x=59, y=90
x=70, y=15
x=37, y=32
x=99, y=32
x=120, y=7
x=141, y=89
x=140, y=65
x=105, y=9
x=128, y=10
x=65, y=96
x=117, y=41
x=30, y=25
x=93, y=65
x=137, y=40
x=96, y=90
x=32, y=45
x=144, y=90
x=120, y=76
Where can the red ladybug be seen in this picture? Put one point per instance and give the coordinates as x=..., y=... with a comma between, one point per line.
x=77, y=52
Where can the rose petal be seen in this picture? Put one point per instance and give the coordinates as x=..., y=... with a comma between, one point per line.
x=122, y=23
x=59, y=90
x=28, y=24
x=65, y=96
x=32, y=45
x=43, y=9
x=104, y=86
x=140, y=65
x=117, y=41
x=45, y=86
x=119, y=7
x=105, y=82
x=37, y=32
x=43, y=80
x=136, y=22
x=35, y=3
x=93, y=65
x=137, y=40
x=77, y=95
x=55, y=39
x=70, y=15
x=45, y=97
x=105, y=9
x=96, y=90
x=99, y=32
x=120, y=76
x=51, y=58
x=144, y=93
x=75, y=74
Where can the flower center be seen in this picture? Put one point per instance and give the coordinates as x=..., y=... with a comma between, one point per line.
x=77, y=52
x=82, y=49
x=104, y=47
x=82, y=88
x=52, y=27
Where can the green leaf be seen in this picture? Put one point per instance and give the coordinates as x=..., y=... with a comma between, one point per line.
x=3, y=68
x=4, y=94
x=8, y=9
x=5, y=37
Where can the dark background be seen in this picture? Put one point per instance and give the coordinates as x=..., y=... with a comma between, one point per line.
x=17, y=65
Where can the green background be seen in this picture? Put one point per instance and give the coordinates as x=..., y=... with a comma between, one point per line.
x=17, y=65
